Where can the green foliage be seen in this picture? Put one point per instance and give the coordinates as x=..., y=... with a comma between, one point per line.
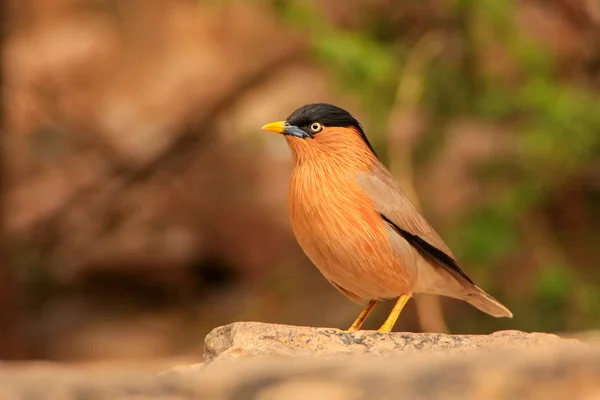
x=554, y=284
x=362, y=64
x=564, y=123
x=486, y=235
x=445, y=93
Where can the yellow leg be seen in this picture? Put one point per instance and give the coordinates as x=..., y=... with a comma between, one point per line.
x=389, y=323
x=363, y=316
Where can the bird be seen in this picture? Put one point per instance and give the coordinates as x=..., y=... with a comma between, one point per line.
x=356, y=225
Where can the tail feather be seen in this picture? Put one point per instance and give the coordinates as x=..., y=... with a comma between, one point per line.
x=486, y=303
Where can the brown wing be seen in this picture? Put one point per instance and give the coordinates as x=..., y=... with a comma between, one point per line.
x=395, y=208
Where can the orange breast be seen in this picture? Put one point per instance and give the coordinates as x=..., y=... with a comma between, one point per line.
x=340, y=230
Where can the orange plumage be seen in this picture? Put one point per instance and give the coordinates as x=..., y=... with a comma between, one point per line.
x=335, y=222
x=355, y=224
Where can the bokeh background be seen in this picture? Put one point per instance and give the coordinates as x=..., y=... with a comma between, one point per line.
x=143, y=206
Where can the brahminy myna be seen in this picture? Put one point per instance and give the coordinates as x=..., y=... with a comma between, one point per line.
x=355, y=224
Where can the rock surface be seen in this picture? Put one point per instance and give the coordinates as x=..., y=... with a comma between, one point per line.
x=555, y=373
x=415, y=366
x=248, y=339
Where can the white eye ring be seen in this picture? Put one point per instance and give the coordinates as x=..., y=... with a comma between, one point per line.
x=316, y=127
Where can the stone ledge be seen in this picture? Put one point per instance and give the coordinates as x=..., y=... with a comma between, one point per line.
x=252, y=339
x=307, y=364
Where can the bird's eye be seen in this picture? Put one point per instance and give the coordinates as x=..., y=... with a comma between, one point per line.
x=316, y=127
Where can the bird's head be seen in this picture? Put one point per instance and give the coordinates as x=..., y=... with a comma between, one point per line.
x=322, y=128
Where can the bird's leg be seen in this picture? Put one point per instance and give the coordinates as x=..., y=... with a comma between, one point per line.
x=389, y=323
x=356, y=325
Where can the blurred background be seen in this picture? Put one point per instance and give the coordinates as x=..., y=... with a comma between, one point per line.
x=143, y=206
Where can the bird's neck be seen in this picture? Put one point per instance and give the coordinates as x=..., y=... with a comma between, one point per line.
x=334, y=152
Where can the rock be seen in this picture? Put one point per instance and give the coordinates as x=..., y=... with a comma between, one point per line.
x=251, y=339
x=553, y=372
x=415, y=366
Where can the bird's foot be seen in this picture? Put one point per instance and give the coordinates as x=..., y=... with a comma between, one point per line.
x=386, y=328
x=356, y=325
x=389, y=323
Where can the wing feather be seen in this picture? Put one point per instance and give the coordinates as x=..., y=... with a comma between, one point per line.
x=397, y=210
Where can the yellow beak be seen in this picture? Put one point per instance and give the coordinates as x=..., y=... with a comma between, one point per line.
x=277, y=127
